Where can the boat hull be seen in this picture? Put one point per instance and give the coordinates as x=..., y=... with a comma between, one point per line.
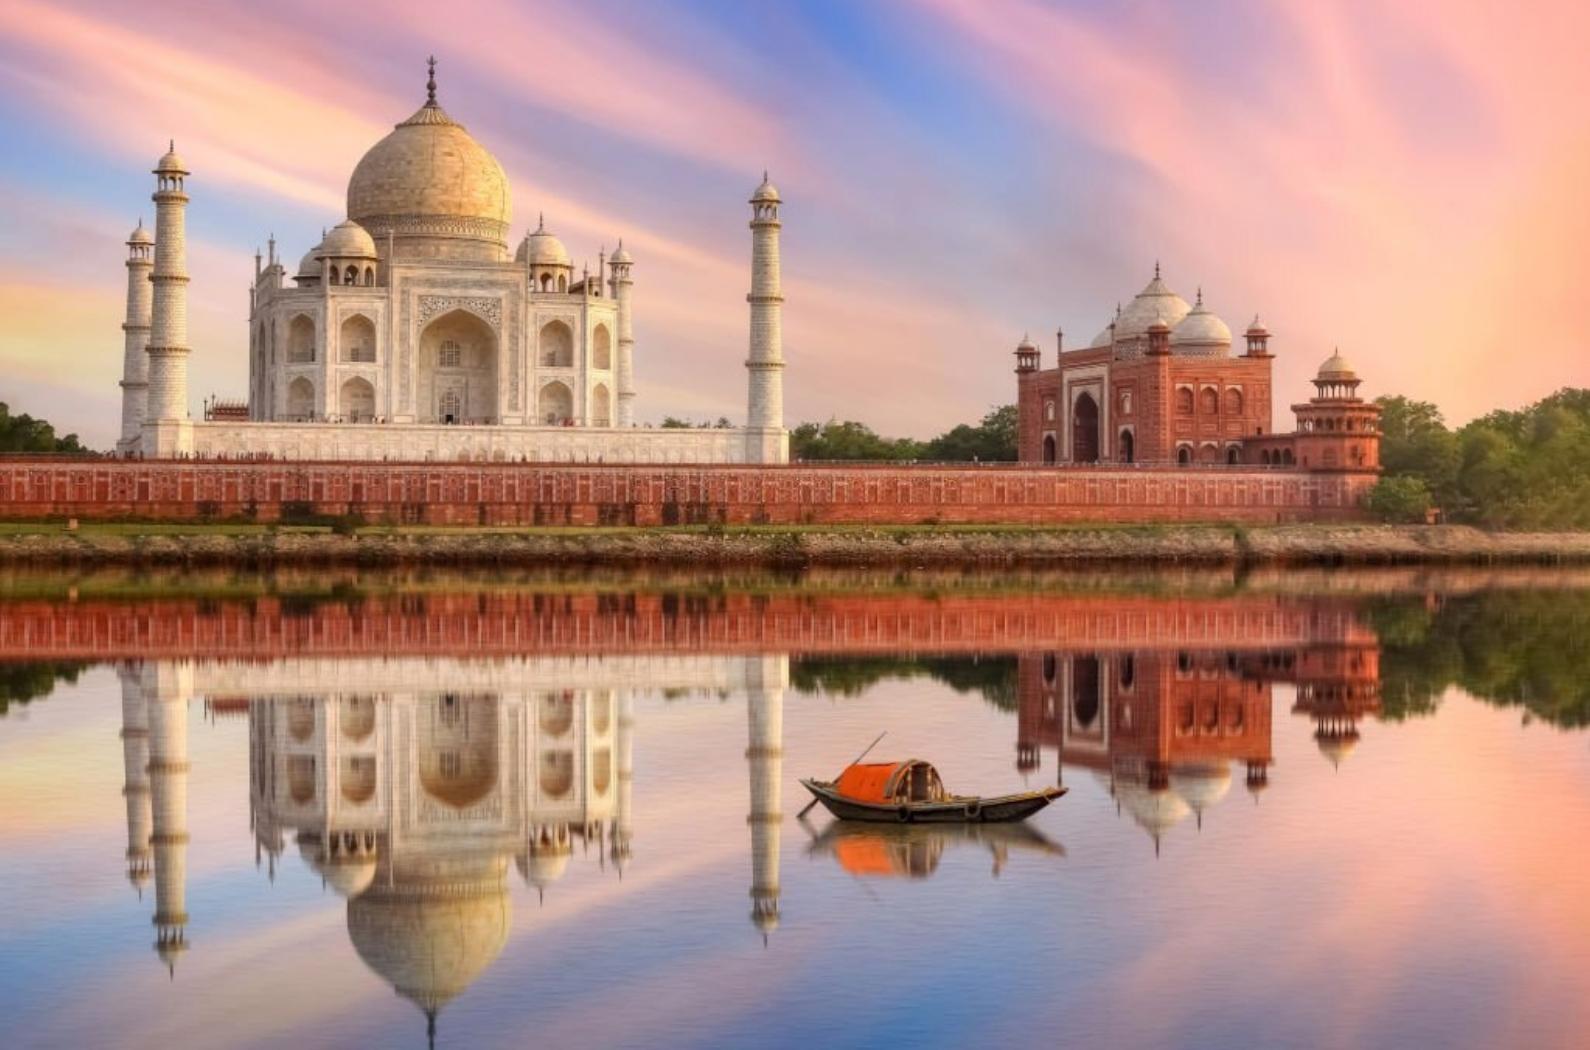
x=998, y=810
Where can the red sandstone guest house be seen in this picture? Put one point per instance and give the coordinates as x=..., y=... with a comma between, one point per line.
x=1160, y=386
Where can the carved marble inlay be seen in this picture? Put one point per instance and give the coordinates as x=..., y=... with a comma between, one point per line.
x=487, y=309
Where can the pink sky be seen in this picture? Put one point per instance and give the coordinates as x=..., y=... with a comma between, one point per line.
x=1405, y=182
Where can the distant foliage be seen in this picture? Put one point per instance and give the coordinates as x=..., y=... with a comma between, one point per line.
x=1525, y=469
x=991, y=677
x=23, y=683
x=991, y=440
x=1510, y=648
x=25, y=434
x=1400, y=498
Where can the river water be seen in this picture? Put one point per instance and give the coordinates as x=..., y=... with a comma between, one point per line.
x=376, y=810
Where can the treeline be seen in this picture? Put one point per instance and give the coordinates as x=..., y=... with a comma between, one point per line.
x=25, y=434
x=1525, y=469
x=991, y=440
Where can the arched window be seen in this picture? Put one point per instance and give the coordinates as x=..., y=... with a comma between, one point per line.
x=1128, y=447
x=1233, y=455
x=1287, y=458
x=557, y=345
x=350, y=275
x=1183, y=455
x=450, y=406
x=557, y=773
x=1184, y=400
x=563, y=282
x=1085, y=430
x=1209, y=401
x=1233, y=401
x=1048, y=448
x=546, y=282
x=369, y=276
x=449, y=354
x=301, y=399
x=301, y=341
x=357, y=400
x=601, y=406
x=357, y=339
x=601, y=348
x=555, y=405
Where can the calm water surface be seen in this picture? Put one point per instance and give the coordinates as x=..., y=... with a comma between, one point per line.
x=372, y=811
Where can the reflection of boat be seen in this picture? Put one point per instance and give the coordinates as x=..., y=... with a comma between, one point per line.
x=911, y=792
x=913, y=851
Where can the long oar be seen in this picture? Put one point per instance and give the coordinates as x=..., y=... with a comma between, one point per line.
x=853, y=761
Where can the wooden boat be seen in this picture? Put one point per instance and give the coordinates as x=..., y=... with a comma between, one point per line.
x=911, y=792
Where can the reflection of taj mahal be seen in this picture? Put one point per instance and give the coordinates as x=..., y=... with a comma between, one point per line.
x=411, y=787
x=413, y=330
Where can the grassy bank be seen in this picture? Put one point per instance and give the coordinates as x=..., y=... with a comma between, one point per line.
x=775, y=546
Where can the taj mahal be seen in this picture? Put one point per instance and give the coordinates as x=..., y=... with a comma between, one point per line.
x=413, y=331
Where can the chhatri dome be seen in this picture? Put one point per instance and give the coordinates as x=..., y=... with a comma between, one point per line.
x=434, y=188
x=542, y=248
x=1201, y=332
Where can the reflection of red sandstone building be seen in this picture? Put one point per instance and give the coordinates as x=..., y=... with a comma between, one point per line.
x=1160, y=386
x=1162, y=728
x=1337, y=688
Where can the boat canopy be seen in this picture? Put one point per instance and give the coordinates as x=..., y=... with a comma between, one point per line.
x=888, y=783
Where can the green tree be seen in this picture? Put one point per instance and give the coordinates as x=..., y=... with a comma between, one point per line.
x=25, y=434
x=992, y=440
x=1400, y=498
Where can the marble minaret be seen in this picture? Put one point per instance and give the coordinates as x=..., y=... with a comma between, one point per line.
x=135, y=335
x=624, y=816
x=765, y=682
x=167, y=429
x=768, y=442
x=167, y=686
x=135, y=773
x=620, y=286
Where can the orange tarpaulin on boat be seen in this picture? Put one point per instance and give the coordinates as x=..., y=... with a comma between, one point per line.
x=873, y=782
x=865, y=856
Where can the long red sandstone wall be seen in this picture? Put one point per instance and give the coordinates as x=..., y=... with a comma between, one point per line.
x=571, y=494
x=505, y=625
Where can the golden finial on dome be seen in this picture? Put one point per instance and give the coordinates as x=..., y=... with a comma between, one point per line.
x=430, y=82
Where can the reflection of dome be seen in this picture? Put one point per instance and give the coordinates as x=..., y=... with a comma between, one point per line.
x=1336, y=746
x=430, y=178
x=541, y=868
x=429, y=947
x=349, y=877
x=1201, y=785
x=1156, y=812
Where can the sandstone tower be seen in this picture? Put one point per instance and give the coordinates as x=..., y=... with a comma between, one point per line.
x=135, y=365
x=170, y=431
x=765, y=406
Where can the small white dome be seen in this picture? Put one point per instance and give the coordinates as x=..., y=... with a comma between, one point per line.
x=1201, y=329
x=620, y=255
x=171, y=164
x=309, y=265
x=766, y=193
x=348, y=240
x=1336, y=368
x=140, y=235
x=542, y=248
x=1026, y=342
x=1156, y=302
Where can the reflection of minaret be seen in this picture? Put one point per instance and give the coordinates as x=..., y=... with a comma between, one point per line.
x=167, y=687
x=135, y=782
x=623, y=816
x=765, y=714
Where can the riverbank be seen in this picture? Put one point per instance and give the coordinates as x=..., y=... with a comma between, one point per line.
x=907, y=546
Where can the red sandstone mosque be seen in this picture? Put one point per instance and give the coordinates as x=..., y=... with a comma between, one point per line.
x=1160, y=385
